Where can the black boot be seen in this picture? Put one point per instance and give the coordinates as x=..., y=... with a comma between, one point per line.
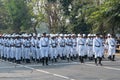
x=5, y=58
x=55, y=59
x=113, y=59
x=96, y=61
x=43, y=61
x=80, y=58
x=71, y=58
x=109, y=57
x=89, y=58
x=52, y=60
x=18, y=61
x=61, y=58
x=85, y=56
x=28, y=60
x=68, y=59
x=46, y=60
x=103, y=57
x=100, y=59
x=37, y=61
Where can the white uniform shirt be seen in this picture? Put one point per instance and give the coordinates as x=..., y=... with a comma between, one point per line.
x=62, y=42
x=89, y=42
x=111, y=42
x=44, y=41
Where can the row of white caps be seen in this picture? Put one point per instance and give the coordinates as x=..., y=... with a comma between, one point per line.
x=51, y=35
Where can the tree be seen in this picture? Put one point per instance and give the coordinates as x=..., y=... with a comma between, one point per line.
x=4, y=16
x=105, y=17
x=19, y=14
x=75, y=11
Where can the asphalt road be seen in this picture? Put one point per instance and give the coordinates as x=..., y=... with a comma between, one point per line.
x=62, y=70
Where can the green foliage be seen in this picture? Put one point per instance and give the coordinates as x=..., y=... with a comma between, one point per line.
x=66, y=16
x=65, y=6
x=76, y=15
x=19, y=14
x=105, y=18
x=3, y=17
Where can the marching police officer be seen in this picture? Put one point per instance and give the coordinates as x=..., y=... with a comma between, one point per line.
x=89, y=44
x=18, y=45
x=111, y=47
x=97, y=44
x=81, y=47
x=44, y=41
x=53, y=45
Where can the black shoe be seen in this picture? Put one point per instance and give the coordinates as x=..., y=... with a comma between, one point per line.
x=109, y=57
x=55, y=60
x=100, y=64
x=96, y=61
x=43, y=61
x=68, y=59
x=96, y=64
x=46, y=60
x=52, y=60
x=113, y=59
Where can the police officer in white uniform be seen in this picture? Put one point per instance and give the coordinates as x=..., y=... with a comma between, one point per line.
x=97, y=44
x=89, y=43
x=74, y=46
x=81, y=47
x=27, y=45
x=34, y=47
x=12, y=48
x=44, y=41
x=61, y=46
x=53, y=45
x=18, y=49
x=38, y=48
x=69, y=45
x=111, y=47
x=1, y=47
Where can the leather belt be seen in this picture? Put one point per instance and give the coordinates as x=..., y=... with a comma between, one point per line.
x=44, y=46
x=97, y=46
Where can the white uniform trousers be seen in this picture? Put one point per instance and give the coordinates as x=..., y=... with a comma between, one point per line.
x=74, y=50
x=81, y=50
x=33, y=51
x=85, y=50
x=22, y=52
x=5, y=53
x=38, y=53
x=44, y=52
x=89, y=51
x=102, y=50
x=18, y=53
x=69, y=51
x=8, y=52
x=58, y=50
x=2, y=51
x=53, y=53
x=27, y=52
x=111, y=51
x=12, y=52
x=98, y=52
x=63, y=51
